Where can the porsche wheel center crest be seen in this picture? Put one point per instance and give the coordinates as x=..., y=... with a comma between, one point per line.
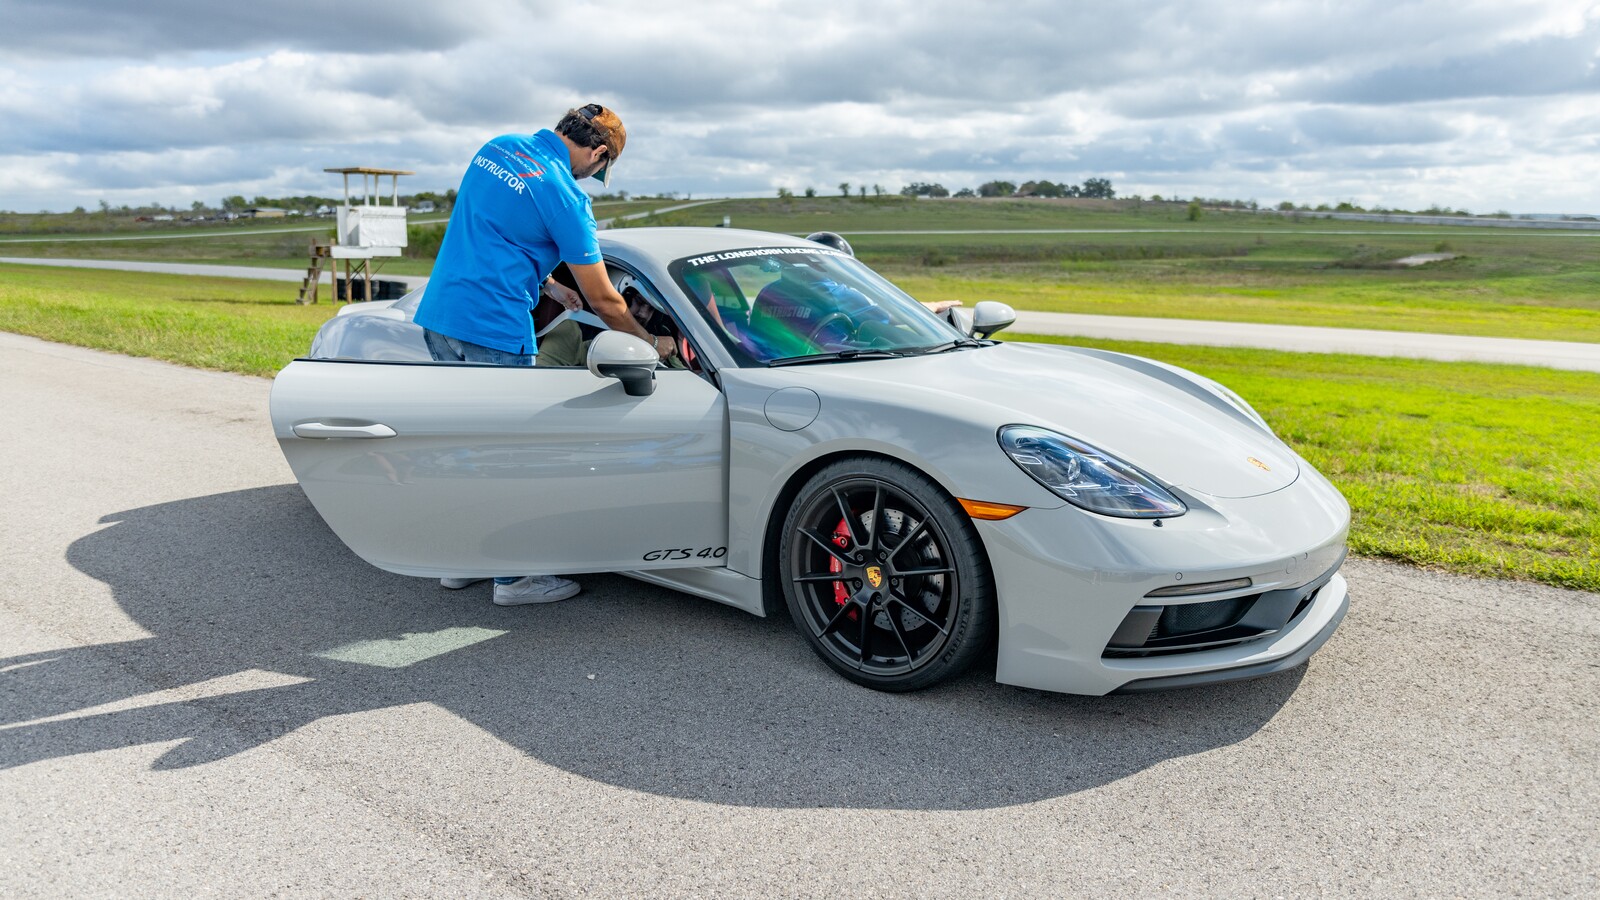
x=874, y=576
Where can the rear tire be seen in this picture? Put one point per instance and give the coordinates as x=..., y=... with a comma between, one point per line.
x=884, y=575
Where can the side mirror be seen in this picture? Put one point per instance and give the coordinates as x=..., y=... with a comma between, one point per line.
x=991, y=316
x=613, y=354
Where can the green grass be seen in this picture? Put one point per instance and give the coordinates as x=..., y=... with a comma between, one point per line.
x=1420, y=301
x=1481, y=469
x=222, y=244
x=1230, y=266
x=229, y=324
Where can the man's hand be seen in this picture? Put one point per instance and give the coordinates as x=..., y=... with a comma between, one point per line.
x=567, y=297
x=939, y=306
x=612, y=309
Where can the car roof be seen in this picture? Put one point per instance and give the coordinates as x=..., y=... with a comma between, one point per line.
x=668, y=244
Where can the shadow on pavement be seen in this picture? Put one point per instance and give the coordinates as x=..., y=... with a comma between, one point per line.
x=690, y=699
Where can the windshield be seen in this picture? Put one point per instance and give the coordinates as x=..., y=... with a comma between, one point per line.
x=778, y=303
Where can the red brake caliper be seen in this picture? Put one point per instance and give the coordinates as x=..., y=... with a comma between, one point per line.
x=841, y=539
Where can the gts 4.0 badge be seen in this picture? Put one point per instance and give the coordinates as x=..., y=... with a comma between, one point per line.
x=675, y=555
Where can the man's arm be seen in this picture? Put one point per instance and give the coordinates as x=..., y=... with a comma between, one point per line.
x=611, y=308
x=567, y=297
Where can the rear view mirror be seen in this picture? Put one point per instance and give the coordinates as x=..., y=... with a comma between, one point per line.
x=991, y=316
x=613, y=354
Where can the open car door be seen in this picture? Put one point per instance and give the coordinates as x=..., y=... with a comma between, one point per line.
x=441, y=469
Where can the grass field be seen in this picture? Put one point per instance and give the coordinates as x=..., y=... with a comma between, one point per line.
x=1229, y=266
x=229, y=324
x=1488, y=470
x=1146, y=259
x=270, y=243
x=1483, y=469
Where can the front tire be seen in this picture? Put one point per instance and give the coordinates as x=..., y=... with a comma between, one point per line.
x=885, y=576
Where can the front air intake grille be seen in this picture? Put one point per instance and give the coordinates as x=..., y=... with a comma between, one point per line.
x=1191, y=618
x=1152, y=630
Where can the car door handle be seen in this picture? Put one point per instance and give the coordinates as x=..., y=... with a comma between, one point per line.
x=320, y=430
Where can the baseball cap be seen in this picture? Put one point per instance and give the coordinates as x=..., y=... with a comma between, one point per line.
x=608, y=128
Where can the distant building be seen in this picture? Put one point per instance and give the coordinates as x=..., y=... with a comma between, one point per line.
x=423, y=206
x=264, y=212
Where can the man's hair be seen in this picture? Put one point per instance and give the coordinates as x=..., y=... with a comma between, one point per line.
x=592, y=126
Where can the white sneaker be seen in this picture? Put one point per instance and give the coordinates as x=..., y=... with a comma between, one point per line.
x=456, y=584
x=535, y=589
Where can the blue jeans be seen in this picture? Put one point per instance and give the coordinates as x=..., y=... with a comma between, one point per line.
x=445, y=348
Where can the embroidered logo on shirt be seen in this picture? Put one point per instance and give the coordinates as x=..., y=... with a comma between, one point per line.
x=538, y=170
x=505, y=175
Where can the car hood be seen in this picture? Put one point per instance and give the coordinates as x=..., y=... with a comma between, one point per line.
x=1147, y=414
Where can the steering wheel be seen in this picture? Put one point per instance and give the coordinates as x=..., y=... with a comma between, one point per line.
x=829, y=320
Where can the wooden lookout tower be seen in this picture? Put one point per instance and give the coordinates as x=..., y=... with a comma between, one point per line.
x=367, y=230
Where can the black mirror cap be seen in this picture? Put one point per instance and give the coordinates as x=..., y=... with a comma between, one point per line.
x=637, y=380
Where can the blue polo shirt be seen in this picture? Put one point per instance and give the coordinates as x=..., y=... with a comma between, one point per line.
x=518, y=214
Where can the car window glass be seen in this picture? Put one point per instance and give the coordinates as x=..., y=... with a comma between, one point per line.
x=775, y=303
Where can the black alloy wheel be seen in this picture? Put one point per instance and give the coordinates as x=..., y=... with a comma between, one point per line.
x=885, y=575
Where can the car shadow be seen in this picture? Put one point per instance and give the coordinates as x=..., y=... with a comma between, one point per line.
x=687, y=698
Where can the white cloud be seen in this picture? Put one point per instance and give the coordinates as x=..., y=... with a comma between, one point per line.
x=1303, y=100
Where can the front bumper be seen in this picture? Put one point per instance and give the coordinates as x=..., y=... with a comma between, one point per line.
x=1247, y=671
x=1067, y=581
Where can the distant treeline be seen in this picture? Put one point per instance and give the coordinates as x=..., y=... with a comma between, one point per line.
x=1095, y=188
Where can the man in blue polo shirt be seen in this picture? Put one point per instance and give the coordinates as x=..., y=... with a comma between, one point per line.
x=519, y=213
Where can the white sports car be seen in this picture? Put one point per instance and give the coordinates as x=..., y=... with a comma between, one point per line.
x=915, y=497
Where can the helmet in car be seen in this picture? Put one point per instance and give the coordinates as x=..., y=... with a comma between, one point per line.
x=829, y=239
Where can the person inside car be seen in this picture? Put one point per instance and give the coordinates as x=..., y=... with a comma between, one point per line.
x=565, y=344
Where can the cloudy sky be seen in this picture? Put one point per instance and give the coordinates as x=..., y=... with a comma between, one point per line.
x=1477, y=104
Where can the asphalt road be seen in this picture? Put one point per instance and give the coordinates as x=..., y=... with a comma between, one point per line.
x=257, y=273
x=202, y=692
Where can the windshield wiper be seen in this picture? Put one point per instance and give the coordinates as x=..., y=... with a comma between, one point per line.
x=833, y=356
x=947, y=346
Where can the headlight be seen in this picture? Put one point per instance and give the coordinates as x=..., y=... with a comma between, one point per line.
x=1086, y=477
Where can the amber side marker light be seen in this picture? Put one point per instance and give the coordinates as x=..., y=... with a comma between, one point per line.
x=982, y=509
